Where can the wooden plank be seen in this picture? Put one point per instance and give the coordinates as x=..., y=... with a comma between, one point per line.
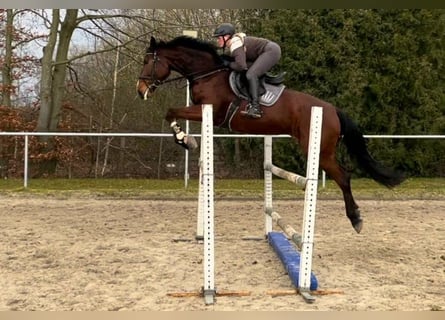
x=218, y=294
x=291, y=292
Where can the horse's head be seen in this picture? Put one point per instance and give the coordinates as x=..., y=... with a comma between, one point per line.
x=154, y=71
x=192, y=58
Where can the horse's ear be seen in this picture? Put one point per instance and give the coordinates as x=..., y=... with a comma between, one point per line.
x=152, y=43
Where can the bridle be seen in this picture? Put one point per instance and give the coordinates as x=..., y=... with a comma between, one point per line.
x=190, y=77
x=152, y=78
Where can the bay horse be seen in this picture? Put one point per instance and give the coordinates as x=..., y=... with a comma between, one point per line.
x=199, y=62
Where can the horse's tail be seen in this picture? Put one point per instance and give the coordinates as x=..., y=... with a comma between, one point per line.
x=356, y=145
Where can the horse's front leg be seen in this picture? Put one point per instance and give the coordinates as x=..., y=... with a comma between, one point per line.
x=193, y=113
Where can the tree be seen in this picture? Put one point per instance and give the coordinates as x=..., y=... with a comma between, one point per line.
x=383, y=67
x=54, y=72
x=14, y=65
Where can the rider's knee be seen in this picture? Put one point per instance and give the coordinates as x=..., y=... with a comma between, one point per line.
x=251, y=74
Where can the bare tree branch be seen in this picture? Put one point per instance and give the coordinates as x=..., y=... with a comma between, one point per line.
x=89, y=53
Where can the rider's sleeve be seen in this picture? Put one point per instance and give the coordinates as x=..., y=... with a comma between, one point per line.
x=240, y=59
x=238, y=52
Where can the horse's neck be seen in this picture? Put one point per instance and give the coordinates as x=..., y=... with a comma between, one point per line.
x=189, y=62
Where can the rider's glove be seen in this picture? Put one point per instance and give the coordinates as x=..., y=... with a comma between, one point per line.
x=226, y=63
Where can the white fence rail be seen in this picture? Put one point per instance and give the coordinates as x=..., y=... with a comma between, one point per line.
x=26, y=135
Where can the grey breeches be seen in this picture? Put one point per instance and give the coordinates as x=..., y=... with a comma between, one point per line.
x=265, y=62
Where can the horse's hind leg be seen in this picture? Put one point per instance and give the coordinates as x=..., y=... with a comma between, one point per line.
x=343, y=180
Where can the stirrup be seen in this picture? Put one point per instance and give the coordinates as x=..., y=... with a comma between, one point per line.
x=253, y=112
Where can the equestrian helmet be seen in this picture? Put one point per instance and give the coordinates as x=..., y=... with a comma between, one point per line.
x=223, y=29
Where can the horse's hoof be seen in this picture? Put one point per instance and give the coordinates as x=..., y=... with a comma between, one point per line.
x=358, y=225
x=190, y=141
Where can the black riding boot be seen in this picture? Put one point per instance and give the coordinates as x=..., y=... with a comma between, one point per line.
x=254, y=110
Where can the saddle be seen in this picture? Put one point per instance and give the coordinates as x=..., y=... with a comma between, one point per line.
x=271, y=87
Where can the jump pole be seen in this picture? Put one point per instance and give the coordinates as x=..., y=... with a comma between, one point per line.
x=302, y=278
x=205, y=224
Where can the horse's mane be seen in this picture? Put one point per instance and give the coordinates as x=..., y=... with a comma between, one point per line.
x=192, y=43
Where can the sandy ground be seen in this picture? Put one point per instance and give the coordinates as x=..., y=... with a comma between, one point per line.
x=108, y=254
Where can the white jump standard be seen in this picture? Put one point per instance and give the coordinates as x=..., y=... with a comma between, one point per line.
x=205, y=226
x=301, y=274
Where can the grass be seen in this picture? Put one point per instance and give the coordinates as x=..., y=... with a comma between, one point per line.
x=415, y=188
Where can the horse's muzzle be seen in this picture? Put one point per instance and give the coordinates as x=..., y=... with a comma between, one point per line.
x=144, y=91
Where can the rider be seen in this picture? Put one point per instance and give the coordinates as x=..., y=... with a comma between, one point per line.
x=254, y=55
